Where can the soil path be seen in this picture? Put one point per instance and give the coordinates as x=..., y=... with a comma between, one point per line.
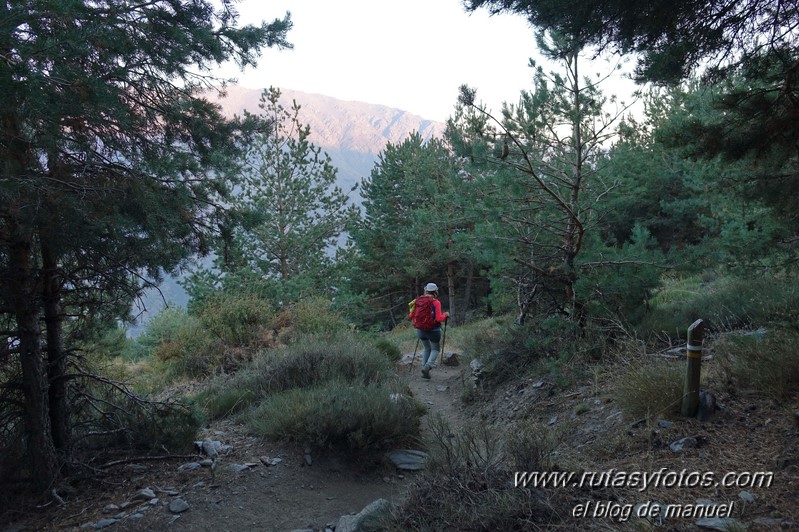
x=287, y=496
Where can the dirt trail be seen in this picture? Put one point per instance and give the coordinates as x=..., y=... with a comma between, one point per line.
x=288, y=496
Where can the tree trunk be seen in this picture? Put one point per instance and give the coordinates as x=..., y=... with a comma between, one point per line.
x=467, y=296
x=41, y=452
x=451, y=288
x=56, y=355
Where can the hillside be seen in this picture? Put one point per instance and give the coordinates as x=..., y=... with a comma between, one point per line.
x=352, y=133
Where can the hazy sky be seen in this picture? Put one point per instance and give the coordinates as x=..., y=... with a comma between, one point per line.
x=409, y=54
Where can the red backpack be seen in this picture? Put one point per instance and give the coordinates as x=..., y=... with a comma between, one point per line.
x=424, y=313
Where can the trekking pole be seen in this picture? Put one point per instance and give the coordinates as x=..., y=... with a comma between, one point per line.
x=414, y=354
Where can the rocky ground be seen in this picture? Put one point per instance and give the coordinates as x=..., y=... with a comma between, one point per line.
x=261, y=486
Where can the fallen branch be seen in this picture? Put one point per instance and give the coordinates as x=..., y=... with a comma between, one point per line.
x=146, y=459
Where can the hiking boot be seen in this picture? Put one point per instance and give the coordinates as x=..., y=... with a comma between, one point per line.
x=425, y=373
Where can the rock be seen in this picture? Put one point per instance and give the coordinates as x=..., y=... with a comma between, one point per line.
x=308, y=459
x=746, y=497
x=352, y=523
x=136, y=516
x=682, y=444
x=270, y=461
x=137, y=468
x=707, y=406
x=237, y=468
x=178, y=505
x=450, y=359
x=110, y=508
x=441, y=387
x=553, y=420
x=477, y=370
x=408, y=459
x=664, y=424
x=723, y=524
x=144, y=495
x=191, y=466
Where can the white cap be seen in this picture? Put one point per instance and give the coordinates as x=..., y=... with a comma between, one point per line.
x=431, y=287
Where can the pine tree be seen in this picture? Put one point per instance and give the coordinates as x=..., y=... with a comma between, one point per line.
x=106, y=155
x=293, y=214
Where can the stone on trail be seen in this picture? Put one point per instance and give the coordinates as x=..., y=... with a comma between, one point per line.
x=352, y=523
x=178, y=506
x=450, y=359
x=143, y=495
x=682, y=444
x=270, y=461
x=408, y=459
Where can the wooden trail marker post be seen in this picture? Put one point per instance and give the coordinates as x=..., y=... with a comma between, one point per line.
x=690, y=397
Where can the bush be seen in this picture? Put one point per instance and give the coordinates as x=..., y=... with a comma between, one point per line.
x=338, y=416
x=311, y=316
x=109, y=416
x=508, y=351
x=189, y=351
x=767, y=362
x=468, y=485
x=171, y=426
x=723, y=304
x=162, y=327
x=317, y=359
x=650, y=389
x=388, y=349
x=311, y=361
x=236, y=320
x=530, y=446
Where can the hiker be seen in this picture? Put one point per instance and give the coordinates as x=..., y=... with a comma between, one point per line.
x=427, y=317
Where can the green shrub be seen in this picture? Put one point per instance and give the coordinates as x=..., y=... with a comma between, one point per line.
x=650, y=389
x=171, y=426
x=767, y=362
x=237, y=320
x=388, y=348
x=159, y=329
x=312, y=316
x=190, y=351
x=508, y=351
x=311, y=361
x=339, y=416
x=225, y=396
x=317, y=359
x=723, y=304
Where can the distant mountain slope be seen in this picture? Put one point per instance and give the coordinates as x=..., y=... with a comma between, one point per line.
x=352, y=133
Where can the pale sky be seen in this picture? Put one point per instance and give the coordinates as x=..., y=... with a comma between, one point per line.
x=408, y=54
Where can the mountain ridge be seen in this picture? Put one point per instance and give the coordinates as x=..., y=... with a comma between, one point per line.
x=342, y=124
